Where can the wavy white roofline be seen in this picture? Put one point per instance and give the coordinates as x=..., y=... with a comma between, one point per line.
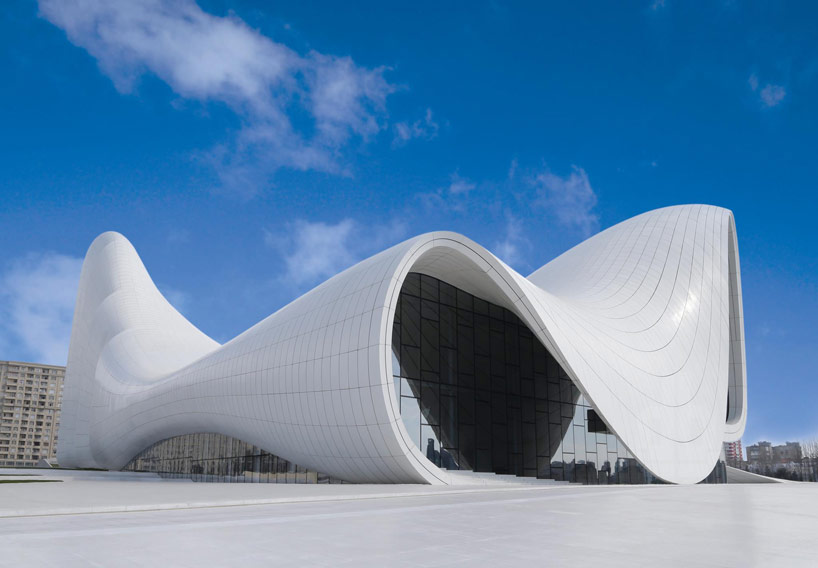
x=645, y=317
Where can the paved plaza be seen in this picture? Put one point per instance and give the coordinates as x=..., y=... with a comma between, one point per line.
x=152, y=522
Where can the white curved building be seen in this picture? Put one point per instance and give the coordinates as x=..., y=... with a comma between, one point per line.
x=625, y=352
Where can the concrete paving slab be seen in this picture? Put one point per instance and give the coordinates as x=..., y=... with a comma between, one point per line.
x=363, y=525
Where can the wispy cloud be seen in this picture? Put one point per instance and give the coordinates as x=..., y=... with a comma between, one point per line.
x=314, y=251
x=460, y=185
x=37, y=295
x=208, y=58
x=509, y=248
x=425, y=128
x=753, y=82
x=571, y=199
x=452, y=197
x=770, y=95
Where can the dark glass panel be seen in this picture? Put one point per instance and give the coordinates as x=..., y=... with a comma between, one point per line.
x=483, y=460
x=595, y=422
x=429, y=310
x=465, y=405
x=498, y=354
x=499, y=448
x=540, y=358
x=410, y=361
x=465, y=301
x=448, y=294
x=465, y=317
x=429, y=376
x=515, y=434
x=465, y=380
x=529, y=439
x=430, y=402
x=448, y=366
x=448, y=327
x=554, y=412
x=527, y=405
x=512, y=353
x=483, y=424
x=429, y=346
x=411, y=285
x=526, y=358
x=429, y=288
x=513, y=379
x=410, y=321
x=482, y=336
x=544, y=448
x=483, y=372
x=498, y=408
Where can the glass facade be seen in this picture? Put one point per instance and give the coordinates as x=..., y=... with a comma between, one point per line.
x=214, y=457
x=477, y=391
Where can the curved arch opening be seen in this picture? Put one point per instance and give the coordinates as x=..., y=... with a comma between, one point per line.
x=477, y=391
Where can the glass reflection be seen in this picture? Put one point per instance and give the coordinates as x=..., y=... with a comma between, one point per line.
x=217, y=458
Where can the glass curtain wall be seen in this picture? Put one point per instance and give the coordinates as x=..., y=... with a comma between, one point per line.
x=214, y=457
x=477, y=391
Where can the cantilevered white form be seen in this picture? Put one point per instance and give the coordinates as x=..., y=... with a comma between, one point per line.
x=645, y=317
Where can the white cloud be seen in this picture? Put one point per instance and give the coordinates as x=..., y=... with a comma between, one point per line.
x=571, y=199
x=771, y=95
x=460, y=185
x=512, y=170
x=753, y=82
x=425, y=128
x=315, y=251
x=221, y=59
x=453, y=197
x=508, y=249
x=657, y=5
x=37, y=296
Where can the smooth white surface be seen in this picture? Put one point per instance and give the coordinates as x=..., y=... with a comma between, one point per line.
x=646, y=318
x=686, y=526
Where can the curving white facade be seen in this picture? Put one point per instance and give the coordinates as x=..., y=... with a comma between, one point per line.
x=645, y=318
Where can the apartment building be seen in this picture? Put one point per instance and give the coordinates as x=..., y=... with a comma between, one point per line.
x=30, y=400
x=733, y=453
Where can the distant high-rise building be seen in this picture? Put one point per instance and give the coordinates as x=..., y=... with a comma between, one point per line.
x=30, y=399
x=733, y=454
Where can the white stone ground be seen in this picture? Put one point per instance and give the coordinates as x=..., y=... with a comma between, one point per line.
x=204, y=524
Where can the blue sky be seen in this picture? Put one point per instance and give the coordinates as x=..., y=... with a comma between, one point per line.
x=331, y=131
